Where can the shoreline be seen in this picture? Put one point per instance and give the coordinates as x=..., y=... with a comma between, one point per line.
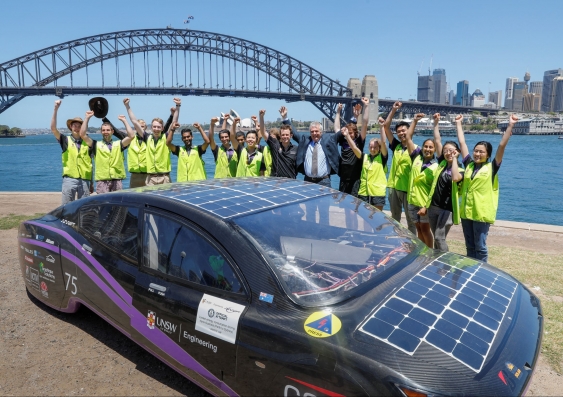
x=506, y=224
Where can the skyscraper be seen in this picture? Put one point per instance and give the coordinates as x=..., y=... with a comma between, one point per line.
x=509, y=93
x=536, y=87
x=496, y=98
x=451, y=97
x=556, y=103
x=440, y=85
x=519, y=89
x=462, y=97
x=477, y=99
x=548, y=77
x=425, y=91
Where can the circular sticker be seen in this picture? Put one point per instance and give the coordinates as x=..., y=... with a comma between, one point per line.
x=322, y=324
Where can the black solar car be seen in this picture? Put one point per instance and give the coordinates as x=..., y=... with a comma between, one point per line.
x=266, y=286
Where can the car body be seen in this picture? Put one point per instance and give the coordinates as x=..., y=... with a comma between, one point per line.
x=272, y=286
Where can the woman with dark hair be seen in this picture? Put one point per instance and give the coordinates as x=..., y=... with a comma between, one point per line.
x=421, y=177
x=442, y=203
x=479, y=194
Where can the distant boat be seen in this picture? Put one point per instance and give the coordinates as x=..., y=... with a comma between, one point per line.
x=561, y=137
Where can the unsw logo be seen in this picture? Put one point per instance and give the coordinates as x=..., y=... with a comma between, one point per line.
x=163, y=325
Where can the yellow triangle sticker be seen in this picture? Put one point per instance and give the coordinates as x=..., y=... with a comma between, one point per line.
x=322, y=324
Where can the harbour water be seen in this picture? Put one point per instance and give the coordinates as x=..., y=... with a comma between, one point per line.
x=530, y=176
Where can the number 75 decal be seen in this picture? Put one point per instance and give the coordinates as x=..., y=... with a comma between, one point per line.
x=68, y=281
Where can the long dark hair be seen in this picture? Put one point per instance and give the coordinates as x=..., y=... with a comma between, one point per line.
x=488, y=148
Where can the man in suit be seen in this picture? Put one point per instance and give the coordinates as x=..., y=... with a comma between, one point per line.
x=317, y=159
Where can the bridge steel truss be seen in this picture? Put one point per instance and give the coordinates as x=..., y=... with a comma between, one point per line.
x=38, y=73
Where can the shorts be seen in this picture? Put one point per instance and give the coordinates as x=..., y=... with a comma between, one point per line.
x=413, y=212
x=349, y=186
x=112, y=185
x=138, y=179
x=376, y=201
x=157, y=179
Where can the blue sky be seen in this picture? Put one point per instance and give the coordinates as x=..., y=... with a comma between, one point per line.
x=479, y=41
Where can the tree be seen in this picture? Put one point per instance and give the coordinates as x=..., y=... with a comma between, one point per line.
x=15, y=131
x=4, y=130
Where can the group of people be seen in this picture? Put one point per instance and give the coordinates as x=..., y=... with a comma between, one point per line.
x=427, y=182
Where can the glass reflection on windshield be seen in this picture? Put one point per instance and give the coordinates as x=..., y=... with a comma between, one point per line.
x=323, y=248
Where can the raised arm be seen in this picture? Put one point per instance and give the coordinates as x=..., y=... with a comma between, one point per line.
x=258, y=128
x=383, y=147
x=456, y=174
x=506, y=136
x=84, y=129
x=461, y=136
x=234, y=141
x=365, y=119
x=176, y=115
x=134, y=121
x=337, y=117
x=351, y=142
x=170, y=137
x=396, y=106
x=130, y=133
x=225, y=118
x=356, y=110
x=437, y=137
x=283, y=114
x=205, y=137
x=170, y=119
x=212, y=132
x=54, y=129
x=410, y=132
x=262, y=125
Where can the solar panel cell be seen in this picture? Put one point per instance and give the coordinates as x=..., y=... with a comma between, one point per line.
x=441, y=340
x=492, y=313
x=424, y=282
x=431, y=306
x=378, y=328
x=409, y=296
x=422, y=316
x=436, y=297
x=389, y=316
x=468, y=356
x=449, y=329
x=471, y=341
x=399, y=306
x=486, y=321
x=480, y=332
x=462, y=308
x=414, y=327
x=404, y=340
x=455, y=318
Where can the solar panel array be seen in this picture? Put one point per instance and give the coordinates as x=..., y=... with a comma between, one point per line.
x=232, y=197
x=457, y=309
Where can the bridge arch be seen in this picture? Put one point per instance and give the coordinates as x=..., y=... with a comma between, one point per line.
x=39, y=72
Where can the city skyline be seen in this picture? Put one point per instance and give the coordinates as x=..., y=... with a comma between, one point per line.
x=374, y=45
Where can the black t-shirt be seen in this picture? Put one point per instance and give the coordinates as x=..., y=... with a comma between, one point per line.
x=230, y=152
x=350, y=167
x=442, y=197
x=284, y=159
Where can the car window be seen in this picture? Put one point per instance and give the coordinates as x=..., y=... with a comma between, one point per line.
x=177, y=250
x=113, y=225
x=323, y=248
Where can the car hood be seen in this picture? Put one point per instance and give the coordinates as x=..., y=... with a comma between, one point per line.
x=450, y=324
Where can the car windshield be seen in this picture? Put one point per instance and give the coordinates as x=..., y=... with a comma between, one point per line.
x=324, y=248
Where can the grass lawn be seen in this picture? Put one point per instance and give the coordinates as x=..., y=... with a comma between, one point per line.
x=12, y=221
x=535, y=270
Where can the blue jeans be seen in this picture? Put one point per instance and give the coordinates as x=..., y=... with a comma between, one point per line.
x=475, y=234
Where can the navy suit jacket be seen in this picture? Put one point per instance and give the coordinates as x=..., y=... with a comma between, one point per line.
x=328, y=143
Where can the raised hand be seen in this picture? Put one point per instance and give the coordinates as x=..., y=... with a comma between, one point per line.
x=458, y=118
x=344, y=131
x=175, y=126
x=283, y=112
x=89, y=114
x=126, y=101
x=255, y=120
x=172, y=110
x=381, y=121
x=214, y=120
x=227, y=116
x=513, y=119
x=339, y=108
x=121, y=118
x=436, y=117
x=397, y=105
x=357, y=110
x=57, y=103
x=196, y=125
x=419, y=116
x=262, y=112
x=177, y=101
x=365, y=101
x=236, y=121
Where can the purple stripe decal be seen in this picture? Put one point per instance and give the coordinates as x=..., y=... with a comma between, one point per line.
x=138, y=320
x=102, y=270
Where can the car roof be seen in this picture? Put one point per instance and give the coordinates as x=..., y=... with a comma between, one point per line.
x=231, y=197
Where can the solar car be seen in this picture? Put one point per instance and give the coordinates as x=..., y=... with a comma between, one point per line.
x=268, y=286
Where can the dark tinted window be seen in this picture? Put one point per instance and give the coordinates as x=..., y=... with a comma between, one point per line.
x=113, y=225
x=177, y=250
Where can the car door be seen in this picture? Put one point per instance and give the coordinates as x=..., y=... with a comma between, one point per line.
x=190, y=293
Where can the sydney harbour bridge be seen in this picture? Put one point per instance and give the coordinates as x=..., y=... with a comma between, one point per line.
x=182, y=63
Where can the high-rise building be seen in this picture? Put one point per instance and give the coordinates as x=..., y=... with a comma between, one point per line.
x=440, y=86
x=509, y=93
x=451, y=97
x=556, y=104
x=371, y=91
x=477, y=99
x=519, y=89
x=356, y=87
x=535, y=87
x=531, y=102
x=496, y=98
x=425, y=91
x=548, y=77
x=462, y=96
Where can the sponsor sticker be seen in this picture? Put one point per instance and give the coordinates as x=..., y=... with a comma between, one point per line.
x=27, y=272
x=49, y=241
x=151, y=319
x=34, y=276
x=27, y=258
x=46, y=273
x=39, y=237
x=44, y=289
x=266, y=297
x=38, y=254
x=218, y=317
x=163, y=325
x=322, y=324
x=50, y=258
